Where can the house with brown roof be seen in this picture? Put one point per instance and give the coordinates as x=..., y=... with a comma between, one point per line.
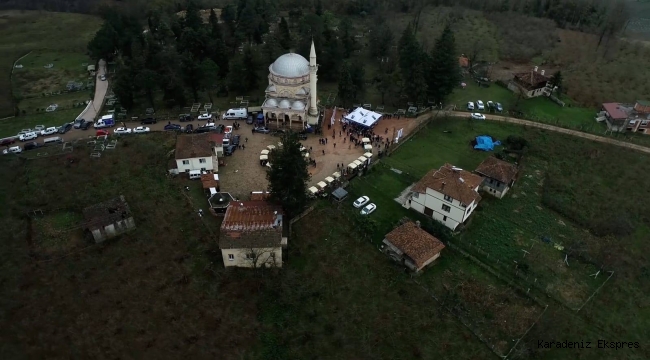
x=196, y=152
x=498, y=176
x=449, y=195
x=622, y=117
x=530, y=84
x=252, y=235
x=412, y=246
x=108, y=219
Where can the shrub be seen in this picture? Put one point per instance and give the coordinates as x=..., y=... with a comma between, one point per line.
x=516, y=143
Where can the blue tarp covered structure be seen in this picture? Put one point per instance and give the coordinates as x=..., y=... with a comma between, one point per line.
x=485, y=143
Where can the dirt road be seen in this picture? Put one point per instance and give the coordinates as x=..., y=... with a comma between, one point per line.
x=581, y=134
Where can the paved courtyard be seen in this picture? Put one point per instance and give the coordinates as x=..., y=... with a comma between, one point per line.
x=242, y=172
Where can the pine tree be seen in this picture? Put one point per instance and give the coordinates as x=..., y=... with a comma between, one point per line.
x=346, y=86
x=284, y=36
x=193, y=16
x=444, y=72
x=347, y=38
x=288, y=177
x=319, y=8
x=556, y=80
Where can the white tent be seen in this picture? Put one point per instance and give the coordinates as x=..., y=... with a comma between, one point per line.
x=363, y=117
x=365, y=140
x=265, y=152
x=352, y=166
x=368, y=155
x=264, y=157
x=368, y=147
x=362, y=158
x=357, y=162
x=329, y=179
x=336, y=175
x=271, y=147
x=322, y=185
x=313, y=190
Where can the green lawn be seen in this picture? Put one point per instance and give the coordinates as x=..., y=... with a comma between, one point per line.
x=58, y=38
x=11, y=126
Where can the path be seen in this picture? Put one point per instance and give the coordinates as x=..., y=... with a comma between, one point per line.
x=101, y=87
x=558, y=129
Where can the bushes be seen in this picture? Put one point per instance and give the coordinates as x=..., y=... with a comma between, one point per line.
x=516, y=143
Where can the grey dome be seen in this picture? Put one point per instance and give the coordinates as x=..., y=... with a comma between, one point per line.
x=290, y=65
x=271, y=103
x=298, y=105
x=284, y=104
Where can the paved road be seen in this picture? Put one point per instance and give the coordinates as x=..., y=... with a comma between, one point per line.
x=100, y=93
x=558, y=129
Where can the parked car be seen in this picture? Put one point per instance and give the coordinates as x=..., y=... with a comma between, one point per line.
x=185, y=117
x=49, y=131
x=470, y=106
x=189, y=128
x=173, y=127
x=249, y=120
x=221, y=128
x=148, y=121
x=361, y=201
x=31, y=146
x=122, y=131
x=261, y=130
x=102, y=77
x=490, y=105
x=478, y=116
x=28, y=136
x=102, y=132
x=235, y=140
x=38, y=128
x=368, y=209
x=65, y=128
x=204, y=129
x=480, y=105
x=86, y=125
x=229, y=150
x=12, y=150
x=24, y=131
x=79, y=123
x=205, y=116
x=141, y=130
x=499, y=107
x=7, y=141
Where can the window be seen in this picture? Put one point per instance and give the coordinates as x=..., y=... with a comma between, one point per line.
x=446, y=208
x=186, y=162
x=448, y=198
x=250, y=256
x=428, y=211
x=203, y=169
x=231, y=257
x=202, y=161
x=444, y=218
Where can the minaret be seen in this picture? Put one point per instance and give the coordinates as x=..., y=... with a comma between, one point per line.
x=313, y=78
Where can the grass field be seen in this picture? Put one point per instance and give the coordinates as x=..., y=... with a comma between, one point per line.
x=11, y=127
x=56, y=38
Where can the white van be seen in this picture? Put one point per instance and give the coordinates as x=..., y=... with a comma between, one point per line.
x=195, y=174
x=234, y=114
x=52, y=140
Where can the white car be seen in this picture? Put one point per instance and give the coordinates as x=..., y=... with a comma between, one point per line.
x=24, y=131
x=141, y=130
x=102, y=77
x=478, y=116
x=368, y=209
x=205, y=116
x=122, y=130
x=480, y=105
x=470, y=106
x=28, y=136
x=49, y=131
x=12, y=150
x=38, y=128
x=361, y=201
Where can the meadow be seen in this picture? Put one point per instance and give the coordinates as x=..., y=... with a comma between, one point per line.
x=49, y=38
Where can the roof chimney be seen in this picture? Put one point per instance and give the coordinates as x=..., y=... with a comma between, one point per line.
x=543, y=72
x=443, y=185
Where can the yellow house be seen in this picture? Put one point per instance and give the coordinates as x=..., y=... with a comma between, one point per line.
x=251, y=235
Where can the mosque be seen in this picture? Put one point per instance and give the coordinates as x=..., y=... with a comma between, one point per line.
x=291, y=101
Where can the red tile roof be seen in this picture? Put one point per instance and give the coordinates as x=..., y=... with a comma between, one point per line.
x=531, y=80
x=615, y=111
x=216, y=138
x=209, y=181
x=251, y=224
x=500, y=170
x=451, y=181
x=193, y=146
x=418, y=244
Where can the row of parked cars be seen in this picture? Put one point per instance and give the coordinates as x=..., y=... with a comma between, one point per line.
x=480, y=106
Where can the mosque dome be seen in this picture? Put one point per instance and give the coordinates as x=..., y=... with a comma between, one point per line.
x=290, y=66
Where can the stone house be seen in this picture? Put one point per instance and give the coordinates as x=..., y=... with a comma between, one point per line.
x=108, y=219
x=411, y=246
x=498, y=176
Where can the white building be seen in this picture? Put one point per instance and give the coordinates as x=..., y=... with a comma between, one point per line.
x=291, y=95
x=448, y=194
x=196, y=152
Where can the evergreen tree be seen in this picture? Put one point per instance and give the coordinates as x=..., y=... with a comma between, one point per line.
x=284, y=36
x=250, y=76
x=288, y=177
x=347, y=38
x=193, y=16
x=444, y=72
x=319, y=8
x=329, y=56
x=556, y=80
x=209, y=71
x=147, y=80
x=104, y=43
x=346, y=86
x=381, y=39
x=234, y=79
x=409, y=50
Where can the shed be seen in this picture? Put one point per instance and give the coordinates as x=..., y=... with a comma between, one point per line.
x=339, y=194
x=313, y=190
x=336, y=175
x=412, y=246
x=362, y=159
x=108, y=219
x=265, y=152
x=271, y=147
x=264, y=157
x=322, y=185
x=352, y=166
x=357, y=162
x=365, y=140
x=329, y=179
x=368, y=155
x=367, y=147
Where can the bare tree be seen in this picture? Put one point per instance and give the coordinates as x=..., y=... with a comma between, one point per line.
x=260, y=257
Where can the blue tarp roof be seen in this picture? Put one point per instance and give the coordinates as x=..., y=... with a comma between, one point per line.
x=485, y=143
